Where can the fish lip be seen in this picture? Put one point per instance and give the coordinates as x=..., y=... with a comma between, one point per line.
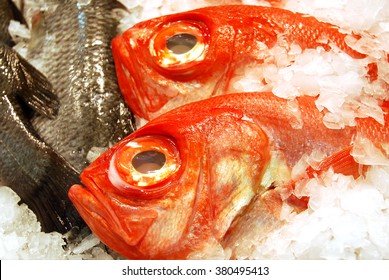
x=105, y=218
x=103, y=228
x=84, y=205
x=99, y=205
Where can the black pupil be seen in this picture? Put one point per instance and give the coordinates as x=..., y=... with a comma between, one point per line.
x=148, y=161
x=181, y=43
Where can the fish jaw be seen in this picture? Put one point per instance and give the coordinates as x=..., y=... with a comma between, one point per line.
x=118, y=226
x=93, y=212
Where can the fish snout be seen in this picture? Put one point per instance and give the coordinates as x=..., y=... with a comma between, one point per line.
x=118, y=225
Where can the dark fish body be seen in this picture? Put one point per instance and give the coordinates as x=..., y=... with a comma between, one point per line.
x=77, y=60
x=27, y=164
x=5, y=17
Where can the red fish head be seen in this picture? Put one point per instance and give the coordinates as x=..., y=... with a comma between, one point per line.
x=172, y=60
x=182, y=56
x=175, y=185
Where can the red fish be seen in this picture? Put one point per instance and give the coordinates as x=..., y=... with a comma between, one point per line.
x=172, y=60
x=175, y=186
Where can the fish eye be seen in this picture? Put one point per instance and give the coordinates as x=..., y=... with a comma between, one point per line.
x=148, y=161
x=177, y=47
x=181, y=43
x=144, y=163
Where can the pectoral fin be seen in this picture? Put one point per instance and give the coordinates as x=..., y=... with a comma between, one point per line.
x=28, y=83
x=341, y=162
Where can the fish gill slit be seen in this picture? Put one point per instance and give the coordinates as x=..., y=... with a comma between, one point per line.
x=198, y=196
x=225, y=81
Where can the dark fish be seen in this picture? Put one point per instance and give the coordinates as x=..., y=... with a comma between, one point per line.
x=27, y=164
x=77, y=60
x=8, y=11
x=6, y=15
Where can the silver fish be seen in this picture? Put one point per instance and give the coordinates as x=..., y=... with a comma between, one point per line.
x=27, y=164
x=76, y=53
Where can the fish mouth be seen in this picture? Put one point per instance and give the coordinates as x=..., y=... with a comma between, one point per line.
x=87, y=204
x=120, y=226
x=94, y=213
x=100, y=219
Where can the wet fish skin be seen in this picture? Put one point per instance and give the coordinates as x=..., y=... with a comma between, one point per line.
x=155, y=79
x=27, y=164
x=217, y=151
x=19, y=75
x=77, y=60
x=8, y=12
x=5, y=17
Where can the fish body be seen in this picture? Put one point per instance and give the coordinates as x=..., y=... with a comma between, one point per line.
x=176, y=59
x=72, y=42
x=6, y=15
x=27, y=164
x=174, y=187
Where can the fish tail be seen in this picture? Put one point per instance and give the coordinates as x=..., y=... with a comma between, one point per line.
x=50, y=200
x=35, y=171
